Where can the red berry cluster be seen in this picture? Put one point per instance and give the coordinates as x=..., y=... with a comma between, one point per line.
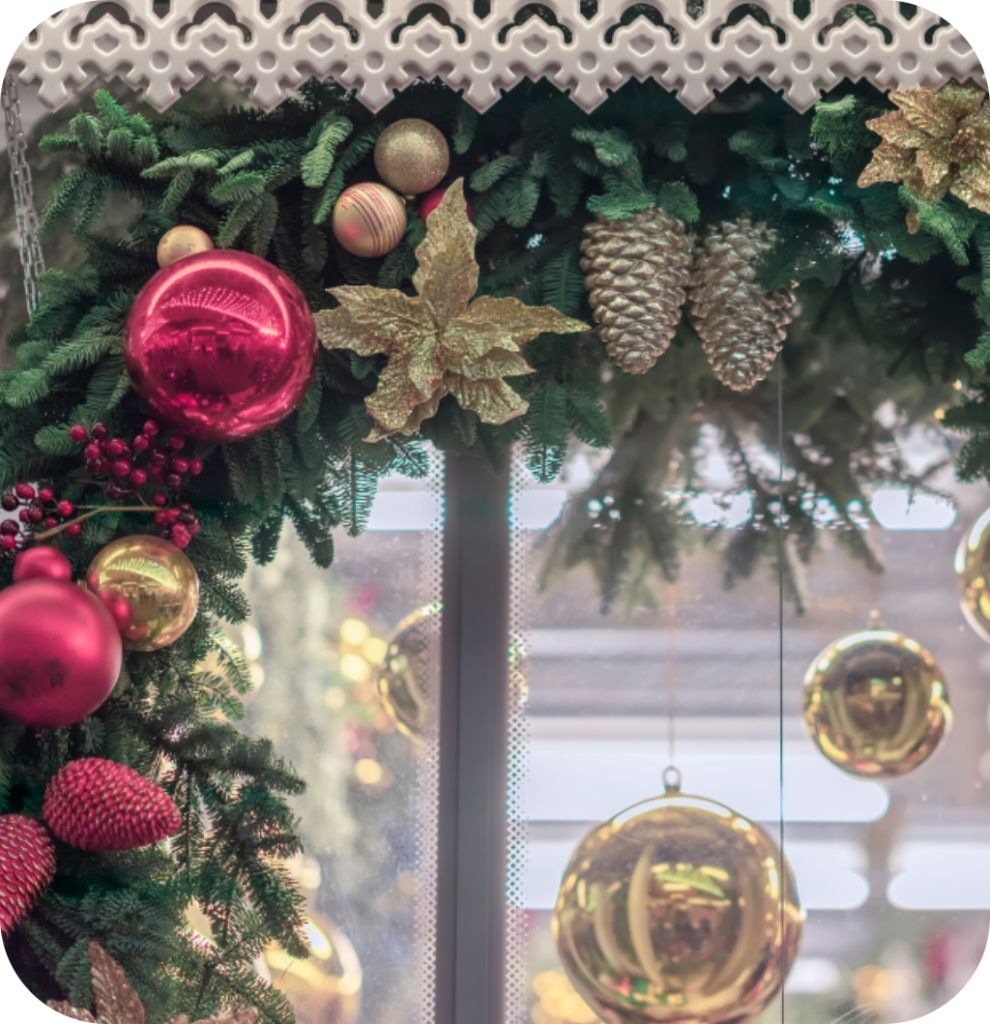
x=130, y=466
x=37, y=508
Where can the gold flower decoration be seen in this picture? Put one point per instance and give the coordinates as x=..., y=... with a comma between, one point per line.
x=118, y=1003
x=935, y=142
x=439, y=342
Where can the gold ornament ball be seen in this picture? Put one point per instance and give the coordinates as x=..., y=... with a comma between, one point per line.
x=876, y=704
x=403, y=677
x=369, y=220
x=412, y=156
x=972, y=573
x=677, y=910
x=178, y=243
x=149, y=586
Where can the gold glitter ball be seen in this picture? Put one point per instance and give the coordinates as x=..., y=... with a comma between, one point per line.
x=412, y=156
x=876, y=704
x=677, y=910
x=180, y=242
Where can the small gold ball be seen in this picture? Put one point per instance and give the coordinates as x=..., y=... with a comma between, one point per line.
x=677, y=910
x=149, y=586
x=180, y=242
x=876, y=704
x=412, y=156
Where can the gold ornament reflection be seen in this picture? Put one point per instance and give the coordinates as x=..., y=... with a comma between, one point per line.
x=325, y=988
x=403, y=677
x=876, y=704
x=971, y=572
x=149, y=586
x=677, y=910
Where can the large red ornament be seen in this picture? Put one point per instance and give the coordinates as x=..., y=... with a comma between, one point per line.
x=60, y=653
x=101, y=806
x=221, y=344
x=27, y=866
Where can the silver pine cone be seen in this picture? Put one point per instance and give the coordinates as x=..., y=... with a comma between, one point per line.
x=637, y=271
x=742, y=326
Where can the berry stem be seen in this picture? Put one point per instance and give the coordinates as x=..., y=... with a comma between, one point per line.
x=55, y=530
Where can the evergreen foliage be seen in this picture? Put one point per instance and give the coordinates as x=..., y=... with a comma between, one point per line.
x=874, y=331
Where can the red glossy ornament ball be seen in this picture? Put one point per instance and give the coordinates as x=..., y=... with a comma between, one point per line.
x=60, y=653
x=433, y=199
x=221, y=344
x=42, y=562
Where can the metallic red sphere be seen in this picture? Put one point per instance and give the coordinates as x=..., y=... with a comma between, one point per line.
x=42, y=562
x=221, y=344
x=60, y=653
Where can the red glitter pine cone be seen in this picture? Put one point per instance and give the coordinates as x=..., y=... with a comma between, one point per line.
x=27, y=866
x=100, y=806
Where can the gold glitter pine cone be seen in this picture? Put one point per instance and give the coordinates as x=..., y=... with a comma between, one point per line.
x=741, y=326
x=637, y=271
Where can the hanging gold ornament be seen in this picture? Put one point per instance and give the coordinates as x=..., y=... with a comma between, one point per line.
x=412, y=156
x=118, y=1003
x=149, y=586
x=935, y=142
x=876, y=704
x=972, y=573
x=677, y=910
x=180, y=242
x=439, y=342
x=403, y=677
x=326, y=987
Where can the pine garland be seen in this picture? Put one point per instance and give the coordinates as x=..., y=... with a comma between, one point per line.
x=872, y=330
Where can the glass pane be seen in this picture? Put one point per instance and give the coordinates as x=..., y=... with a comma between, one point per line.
x=325, y=649
x=902, y=917
x=623, y=684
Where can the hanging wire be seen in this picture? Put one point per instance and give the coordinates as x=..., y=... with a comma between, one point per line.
x=32, y=258
x=780, y=633
x=671, y=774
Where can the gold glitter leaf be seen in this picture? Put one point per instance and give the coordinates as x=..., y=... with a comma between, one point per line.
x=118, y=1003
x=935, y=143
x=439, y=342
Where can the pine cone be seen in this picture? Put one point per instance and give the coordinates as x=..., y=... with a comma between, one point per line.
x=99, y=806
x=636, y=271
x=742, y=326
x=27, y=866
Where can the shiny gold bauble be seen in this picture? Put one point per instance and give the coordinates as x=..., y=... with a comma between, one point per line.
x=369, y=220
x=412, y=156
x=677, y=910
x=972, y=572
x=876, y=704
x=326, y=987
x=403, y=677
x=150, y=587
x=180, y=242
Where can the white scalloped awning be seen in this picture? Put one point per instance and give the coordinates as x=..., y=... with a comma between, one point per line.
x=270, y=57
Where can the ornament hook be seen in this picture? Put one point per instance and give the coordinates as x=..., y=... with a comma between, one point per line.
x=876, y=619
x=671, y=779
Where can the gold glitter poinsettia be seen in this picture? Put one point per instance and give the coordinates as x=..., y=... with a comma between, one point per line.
x=118, y=1003
x=936, y=142
x=439, y=342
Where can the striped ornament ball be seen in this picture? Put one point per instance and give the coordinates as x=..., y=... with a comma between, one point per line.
x=369, y=219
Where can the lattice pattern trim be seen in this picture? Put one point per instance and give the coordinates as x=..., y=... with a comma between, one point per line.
x=376, y=47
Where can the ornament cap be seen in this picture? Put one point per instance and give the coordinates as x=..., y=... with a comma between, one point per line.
x=671, y=780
